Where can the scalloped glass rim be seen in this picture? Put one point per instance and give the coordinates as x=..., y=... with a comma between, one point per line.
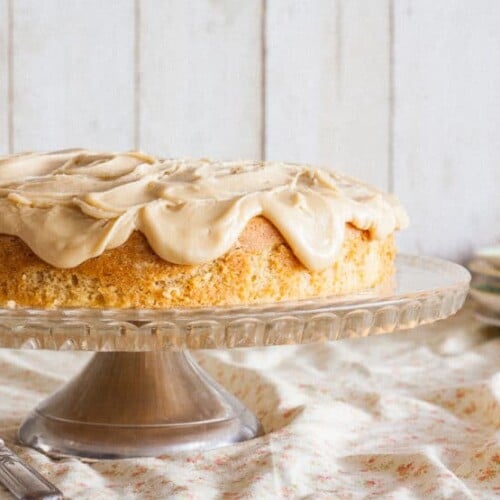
x=426, y=289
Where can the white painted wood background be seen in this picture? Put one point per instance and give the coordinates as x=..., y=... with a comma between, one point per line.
x=403, y=93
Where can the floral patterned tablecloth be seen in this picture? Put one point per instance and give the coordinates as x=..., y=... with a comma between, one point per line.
x=408, y=415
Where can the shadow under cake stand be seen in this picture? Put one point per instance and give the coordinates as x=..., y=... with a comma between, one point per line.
x=142, y=394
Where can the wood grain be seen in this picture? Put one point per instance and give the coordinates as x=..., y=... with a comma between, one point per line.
x=200, y=75
x=73, y=74
x=4, y=78
x=328, y=85
x=447, y=124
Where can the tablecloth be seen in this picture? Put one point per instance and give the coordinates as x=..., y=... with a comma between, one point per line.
x=406, y=415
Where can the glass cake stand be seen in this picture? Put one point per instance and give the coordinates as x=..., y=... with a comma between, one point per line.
x=142, y=394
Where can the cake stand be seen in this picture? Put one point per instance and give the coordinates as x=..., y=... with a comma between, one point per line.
x=142, y=394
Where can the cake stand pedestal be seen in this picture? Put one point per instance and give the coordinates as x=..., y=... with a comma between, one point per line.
x=127, y=404
x=142, y=394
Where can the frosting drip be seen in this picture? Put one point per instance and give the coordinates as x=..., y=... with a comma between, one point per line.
x=70, y=206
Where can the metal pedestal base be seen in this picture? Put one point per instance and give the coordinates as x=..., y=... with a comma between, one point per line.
x=126, y=404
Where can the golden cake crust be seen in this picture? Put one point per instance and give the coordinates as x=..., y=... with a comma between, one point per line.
x=260, y=267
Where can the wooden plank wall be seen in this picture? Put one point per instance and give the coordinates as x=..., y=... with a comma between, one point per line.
x=4, y=76
x=73, y=73
x=447, y=123
x=200, y=78
x=327, y=84
x=403, y=93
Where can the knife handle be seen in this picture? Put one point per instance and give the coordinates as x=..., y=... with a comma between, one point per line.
x=22, y=480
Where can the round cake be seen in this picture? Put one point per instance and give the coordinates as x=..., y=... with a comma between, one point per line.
x=128, y=230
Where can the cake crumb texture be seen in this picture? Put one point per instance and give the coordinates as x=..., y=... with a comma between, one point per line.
x=259, y=268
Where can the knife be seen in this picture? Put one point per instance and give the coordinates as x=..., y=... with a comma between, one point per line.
x=22, y=480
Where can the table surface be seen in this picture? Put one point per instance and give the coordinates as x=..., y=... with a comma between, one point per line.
x=407, y=415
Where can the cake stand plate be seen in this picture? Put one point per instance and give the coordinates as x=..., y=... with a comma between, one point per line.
x=142, y=394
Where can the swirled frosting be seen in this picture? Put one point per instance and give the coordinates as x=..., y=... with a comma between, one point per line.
x=69, y=206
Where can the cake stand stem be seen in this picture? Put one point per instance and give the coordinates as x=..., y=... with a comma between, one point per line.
x=128, y=404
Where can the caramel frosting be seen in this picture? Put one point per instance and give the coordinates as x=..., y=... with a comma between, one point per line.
x=69, y=206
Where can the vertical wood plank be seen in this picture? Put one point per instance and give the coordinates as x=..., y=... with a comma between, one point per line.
x=200, y=78
x=328, y=84
x=4, y=78
x=73, y=74
x=447, y=124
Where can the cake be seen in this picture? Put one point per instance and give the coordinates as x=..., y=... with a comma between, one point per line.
x=127, y=230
